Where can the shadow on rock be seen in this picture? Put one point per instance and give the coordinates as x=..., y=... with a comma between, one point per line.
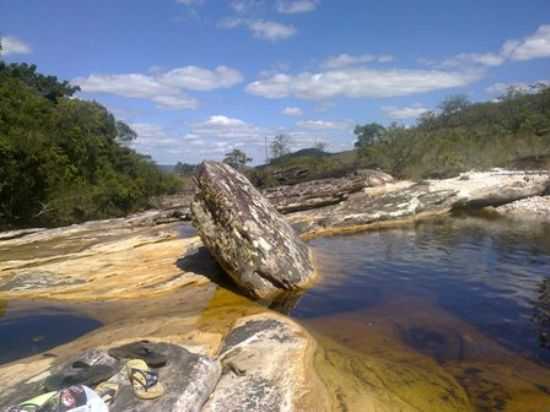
x=201, y=262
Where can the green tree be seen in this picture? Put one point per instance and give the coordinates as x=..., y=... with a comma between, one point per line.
x=280, y=146
x=62, y=160
x=237, y=159
x=183, y=169
x=47, y=86
x=454, y=104
x=368, y=134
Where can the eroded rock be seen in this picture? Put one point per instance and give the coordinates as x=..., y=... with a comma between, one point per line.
x=532, y=208
x=267, y=366
x=246, y=235
x=323, y=192
x=431, y=197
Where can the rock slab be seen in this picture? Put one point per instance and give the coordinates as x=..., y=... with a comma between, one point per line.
x=267, y=367
x=246, y=235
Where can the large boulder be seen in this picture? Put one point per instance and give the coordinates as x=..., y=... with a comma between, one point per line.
x=246, y=235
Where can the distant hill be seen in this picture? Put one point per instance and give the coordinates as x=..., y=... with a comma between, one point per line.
x=166, y=168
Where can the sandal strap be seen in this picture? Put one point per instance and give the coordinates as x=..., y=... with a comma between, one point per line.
x=150, y=378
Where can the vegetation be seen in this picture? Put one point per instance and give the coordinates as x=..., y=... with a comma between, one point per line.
x=65, y=160
x=237, y=159
x=184, y=169
x=280, y=146
x=513, y=131
x=461, y=136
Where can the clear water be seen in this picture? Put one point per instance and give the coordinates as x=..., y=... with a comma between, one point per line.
x=26, y=331
x=471, y=293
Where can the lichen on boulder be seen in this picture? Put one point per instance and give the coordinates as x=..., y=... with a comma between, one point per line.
x=246, y=235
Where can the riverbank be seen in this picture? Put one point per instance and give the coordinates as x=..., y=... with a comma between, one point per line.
x=143, y=280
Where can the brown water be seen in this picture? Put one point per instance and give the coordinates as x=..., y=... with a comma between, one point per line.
x=469, y=295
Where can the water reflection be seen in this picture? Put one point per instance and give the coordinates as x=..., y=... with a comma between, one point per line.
x=35, y=329
x=542, y=313
x=487, y=272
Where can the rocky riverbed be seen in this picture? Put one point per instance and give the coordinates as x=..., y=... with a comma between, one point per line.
x=142, y=280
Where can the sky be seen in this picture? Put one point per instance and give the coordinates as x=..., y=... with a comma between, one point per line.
x=198, y=78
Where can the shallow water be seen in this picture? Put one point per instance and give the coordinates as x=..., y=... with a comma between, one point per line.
x=471, y=294
x=30, y=328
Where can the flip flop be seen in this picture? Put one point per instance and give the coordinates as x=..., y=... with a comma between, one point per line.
x=80, y=374
x=145, y=381
x=78, y=398
x=139, y=350
x=107, y=391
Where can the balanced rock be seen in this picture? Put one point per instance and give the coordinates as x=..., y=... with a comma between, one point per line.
x=246, y=235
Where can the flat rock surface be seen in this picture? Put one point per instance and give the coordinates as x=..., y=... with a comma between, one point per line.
x=246, y=235
x=110, y=259
x=318, y=193
x=398, y=203
x=536, y=207
x=188, y=378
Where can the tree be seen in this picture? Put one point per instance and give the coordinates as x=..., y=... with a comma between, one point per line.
x=125, y=134
x=368, y=134
x=62, y=160
x=237, y=159
x=280, y=146
x=183, y=169
x=47, y=86
x=454, y=104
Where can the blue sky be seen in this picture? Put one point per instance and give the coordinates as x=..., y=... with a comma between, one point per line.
x=197, y=78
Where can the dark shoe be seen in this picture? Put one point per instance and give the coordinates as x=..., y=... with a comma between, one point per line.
x=140, y=350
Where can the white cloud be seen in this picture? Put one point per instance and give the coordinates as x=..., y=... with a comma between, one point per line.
x=292, y=111
x=190, y=2
x=500, y=89
x=357, y=83
x=401, y=113
x=244, y=6
x=224, y=128
x=296, y=6
x=166, y=89
x=176, y=102
x=197, y=78
x=223, y=121
x=13, y=45
x=152, y=137
x=482, y=59
x=321, y=125
x=261, y=29
x=344, y=60
x=534, y=46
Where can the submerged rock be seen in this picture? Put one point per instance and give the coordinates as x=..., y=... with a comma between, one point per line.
x=246, y=235
x=37, y=280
